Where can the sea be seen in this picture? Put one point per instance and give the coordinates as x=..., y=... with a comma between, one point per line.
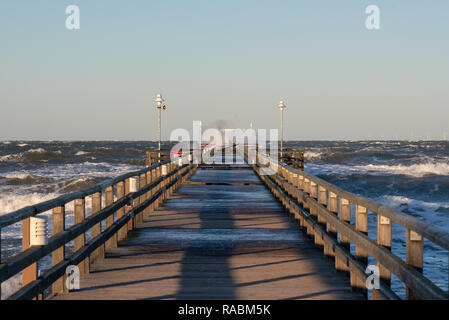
x=411, y=176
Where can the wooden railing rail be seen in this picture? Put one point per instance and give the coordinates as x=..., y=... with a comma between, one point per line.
x=325, y=211
x=156, y=183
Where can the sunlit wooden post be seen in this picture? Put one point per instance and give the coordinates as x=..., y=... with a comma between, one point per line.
x=58, y=255
x=121, y=212
x=361, y=220
x=148, y=193
x=384, y=239
x=345, y=215
x=128, y=208
x=414, y=256
x=29, y=274
x=313, y=192
x=96, y=229
x=142, y=198
x=80, y=241
x=109, y=195
x=306, y=188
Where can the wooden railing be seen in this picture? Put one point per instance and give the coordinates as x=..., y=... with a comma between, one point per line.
x=118, y=216
x=324, y=210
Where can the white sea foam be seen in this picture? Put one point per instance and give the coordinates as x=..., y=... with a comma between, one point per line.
x=81, y=153
x=414, y=170
x=8, y=157
x=309, y=155
x=22, y=145
x=398, y=201
x=432, y=212
x=17, y=175
x=11, y=202
x=38, y=150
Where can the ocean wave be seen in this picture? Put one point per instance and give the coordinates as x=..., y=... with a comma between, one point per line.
x=41, y=154
x=10, y=157
x=435, y=213
x=22, y=145
x=11, y=202
x=414, y=170
x=309, y=155
x=24, y=178
x=336, y=157
x=81, y=153
x=79, y=184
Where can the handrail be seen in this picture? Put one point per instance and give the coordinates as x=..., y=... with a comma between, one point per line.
x=430, y=232
x=59, y=270
x=30, y=211
x=324, y=210
x=156, y=183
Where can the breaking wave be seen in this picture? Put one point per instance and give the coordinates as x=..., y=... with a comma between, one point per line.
x=414, y=170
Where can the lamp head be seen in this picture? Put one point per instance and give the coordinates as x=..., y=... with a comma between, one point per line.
x=282, y=106
x=159, y=100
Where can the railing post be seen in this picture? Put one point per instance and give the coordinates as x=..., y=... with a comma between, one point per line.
x=133, y=187
x=345, y=215
x=313, y=192
x=121, y=211
x=158, y=187
x=306, y=188
x=142, y=198
x=58, y=255
x=96, y=229
x=384, y=239
x=361, y=225
x=148, y=193
x=294, y=182
x=109, y=195
x=153, y=190
x=361, y=222
x=80, y=241
x=414, y=257
x=164, y=182
x=128, y=208
x=29, y=274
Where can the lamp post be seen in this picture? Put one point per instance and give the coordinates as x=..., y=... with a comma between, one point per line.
x=282, y=106
x=159, y=101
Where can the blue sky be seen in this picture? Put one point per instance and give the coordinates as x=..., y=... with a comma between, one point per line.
x=229, y=60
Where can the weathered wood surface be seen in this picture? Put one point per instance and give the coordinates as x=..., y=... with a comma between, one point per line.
x=216, y=242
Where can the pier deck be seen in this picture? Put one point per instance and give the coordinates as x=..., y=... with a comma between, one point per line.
x=221, y=235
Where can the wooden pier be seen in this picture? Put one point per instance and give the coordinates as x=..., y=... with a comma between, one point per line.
x=214, y=231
